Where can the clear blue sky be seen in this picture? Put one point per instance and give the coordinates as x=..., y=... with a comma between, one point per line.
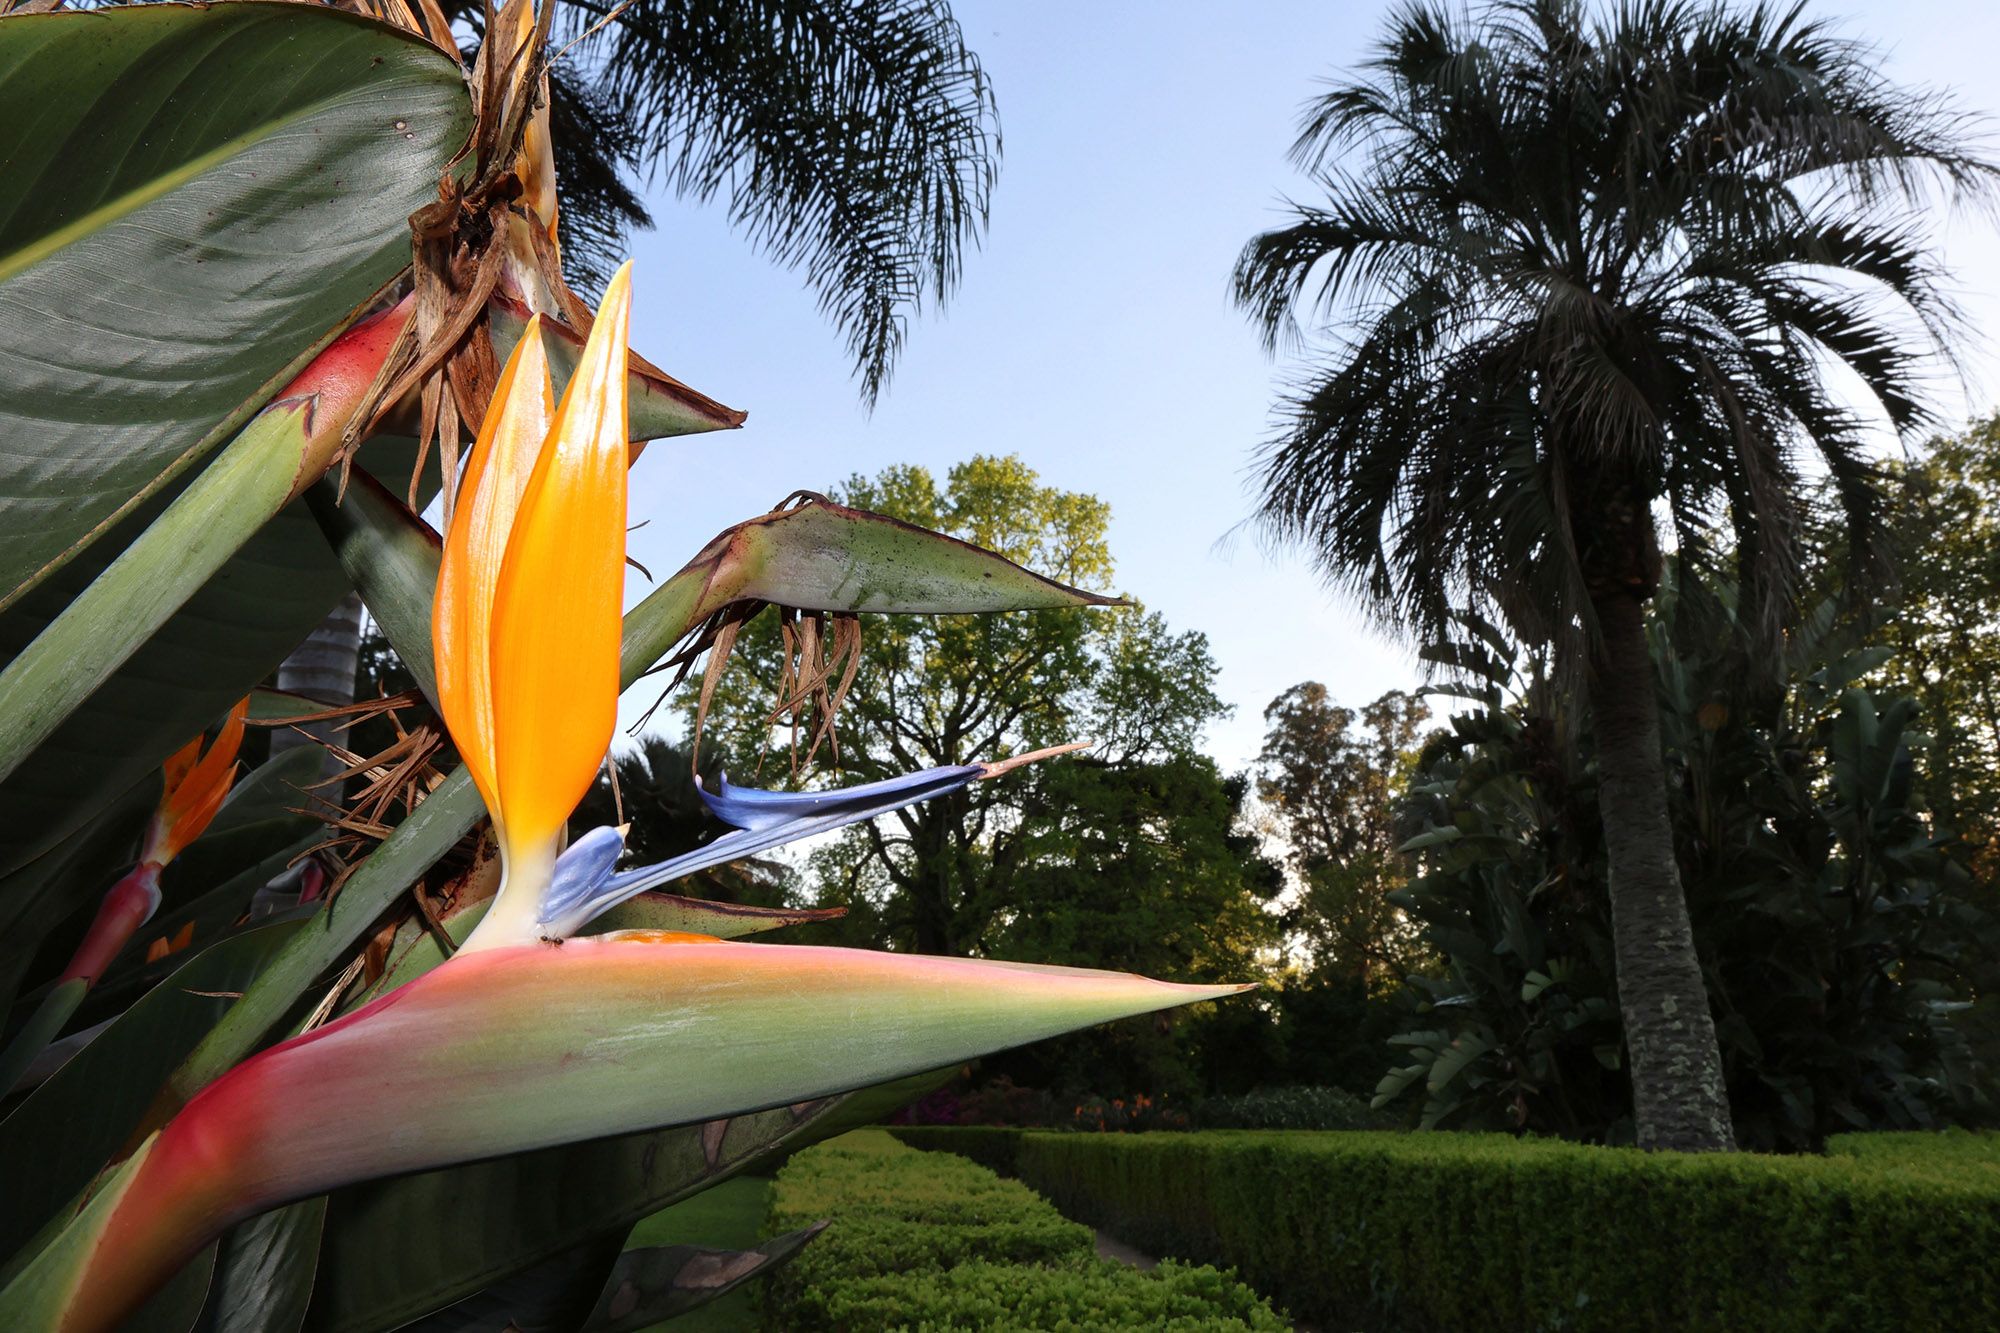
x=1144, y=143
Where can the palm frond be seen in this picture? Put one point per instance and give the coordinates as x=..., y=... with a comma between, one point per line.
x=1570, y=264
x=856, y=141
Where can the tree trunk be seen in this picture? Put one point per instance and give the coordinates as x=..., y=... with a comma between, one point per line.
x=1678, y=1100
x=322, y=668
x=931, y=892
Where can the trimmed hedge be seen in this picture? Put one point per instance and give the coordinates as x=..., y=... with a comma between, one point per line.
x=1452, y=1231
x=994, y=1147
x=929, y=1241
x=1291, y=1108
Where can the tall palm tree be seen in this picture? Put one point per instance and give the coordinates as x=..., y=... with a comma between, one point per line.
x=1589, y=274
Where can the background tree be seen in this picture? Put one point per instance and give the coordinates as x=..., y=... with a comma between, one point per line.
x=1584, y=267
x=1332, y=781
x=1135, y=860
x=955, y=689
x=1942, y=632
x=656, y=797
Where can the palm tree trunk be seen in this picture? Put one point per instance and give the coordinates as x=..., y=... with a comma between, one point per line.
x=1678, y=1100
x=322, y=668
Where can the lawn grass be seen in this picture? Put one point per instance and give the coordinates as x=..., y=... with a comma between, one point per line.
x=725, y=1217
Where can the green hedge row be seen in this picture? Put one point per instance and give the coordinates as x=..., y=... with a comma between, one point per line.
x=929, y=1241
x=1454, y=1231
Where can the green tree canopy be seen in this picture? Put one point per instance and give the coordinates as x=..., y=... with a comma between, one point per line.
x=1942, y=630
x=1332, y=780
x=950, y=876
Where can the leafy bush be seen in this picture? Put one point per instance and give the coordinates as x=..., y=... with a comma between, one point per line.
x=1289, y=1108
x=932, y=1241
x=1078, y=1298
x=1950, y=1152
x=1833, y=922
x=1125, y=1115
x=1000, y=1101
x=1448, y=1231
x=992, y=1146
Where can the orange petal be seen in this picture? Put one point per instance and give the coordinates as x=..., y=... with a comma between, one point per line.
x=179, y=764
x=192, y=798
x=503, y=458
x=219, y=764
x=556, y=617
x=191, y=820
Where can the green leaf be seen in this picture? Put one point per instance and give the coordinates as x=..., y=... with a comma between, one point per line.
x=60, y=1136
x=822, y=556
x=197, y=197
x=1437, y=837
x=151, y=579
x=42, y=1027
x=231, y=633
x=556, y=1294
x=397, y=1249
x=648, y=1286
x=264, y=1272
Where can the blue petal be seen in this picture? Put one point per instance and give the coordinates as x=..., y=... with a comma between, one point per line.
x=765, y=819
x=754, y=808
x=581, y=871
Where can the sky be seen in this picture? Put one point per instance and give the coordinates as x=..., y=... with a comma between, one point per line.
x=1093, y=334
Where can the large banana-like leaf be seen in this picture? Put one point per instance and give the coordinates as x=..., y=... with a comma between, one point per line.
x=597, y=1288
x=35, y=899
x=509, y=1215
x=665, y=1282
x=57, y=1140
x=197, y=197
x=536, y=1045
x=264, y=1272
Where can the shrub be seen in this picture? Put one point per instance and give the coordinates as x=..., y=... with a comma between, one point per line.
x=1290, y=1108
x=1837, y=931
x=1950, y=1152
x=1449, y=1231
x=1076, y=1298
x=931, y=1241
x=1125, y=1115
x=993, y=1147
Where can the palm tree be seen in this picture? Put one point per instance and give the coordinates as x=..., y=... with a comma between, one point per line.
x=856, y=140
x=665, y=817
x=1592, y=274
